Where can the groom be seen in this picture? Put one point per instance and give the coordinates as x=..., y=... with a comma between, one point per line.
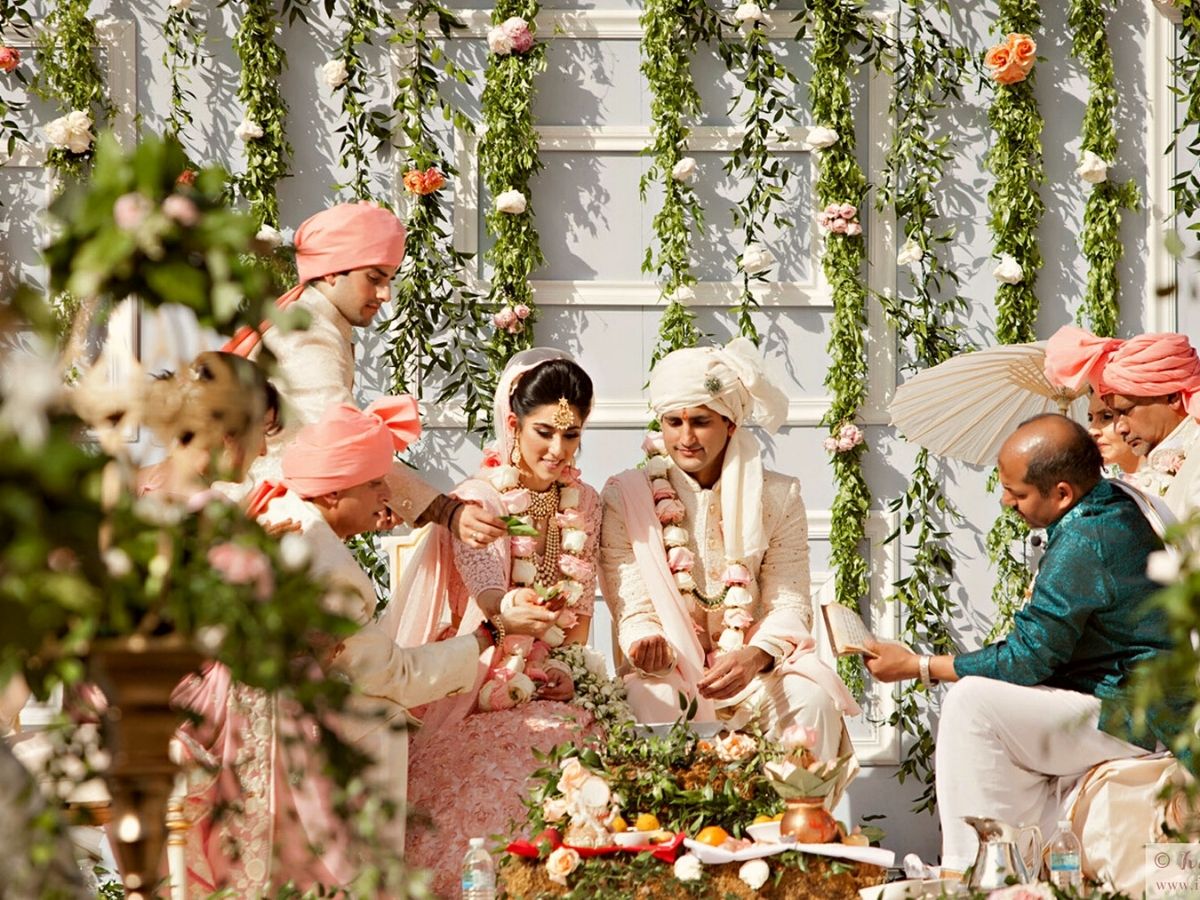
x=704, y=560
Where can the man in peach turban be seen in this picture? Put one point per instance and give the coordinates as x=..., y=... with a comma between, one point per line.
x=1152, y=384
x=704, y=560
x=346, y=257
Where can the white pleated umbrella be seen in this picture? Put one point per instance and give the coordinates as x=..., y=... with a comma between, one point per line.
x=967, y=406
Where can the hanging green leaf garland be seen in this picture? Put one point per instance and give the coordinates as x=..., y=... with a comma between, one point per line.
x=1015, y=160
x=184, y=35
x=15, y=19
x=764, y=108
x=928, y=70
x=671, y=31
x=838, y=27
x=69, y=76
x=1185, y=188
x=438, y=324
x=1101, y=239
x=509, y=159
x=263, y=128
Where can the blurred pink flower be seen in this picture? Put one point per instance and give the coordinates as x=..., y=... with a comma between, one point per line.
x=661, y=488
x=736, y=574
x=571, y=518
x=653, y=443
x=517, y=30
x=799, y=737
x=516, y=502
x=522, y=311
x=130, y=210
x=669, y=512
x=243, y=565
x=847, y=211
x=505, y=318
x=523, y=545
x=10, y=58
x=181, y=209
x=574, y=567
x=680, y=559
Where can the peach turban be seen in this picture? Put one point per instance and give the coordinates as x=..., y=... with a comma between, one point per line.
x=345, y=237
x=1149, y=365
x=346, y=447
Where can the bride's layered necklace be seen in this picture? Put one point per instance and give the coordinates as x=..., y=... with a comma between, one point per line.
x=734, y=596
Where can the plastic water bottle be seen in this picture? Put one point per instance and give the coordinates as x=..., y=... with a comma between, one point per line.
x=478, y=873
x=1064, y=850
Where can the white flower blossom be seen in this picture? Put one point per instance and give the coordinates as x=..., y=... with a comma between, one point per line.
x=334, y=73
x=1092, y=168
x=505, y=478
x=910, y=253
x=117, y=562
x=731, y=639
x=270, y=236
x=688, y=867
x=512, y=202
x=820, y=137
x=29, y=383
x=293, y=551
x=756, y=258
x=683, y=295
x=210, y=638
x=574, y=540
x=180, y=5
x=1164, y=566
x=674, y=536
x=657, y=466
x=684, y=169
x=499, y=41
x=754, y=872
x=71, y=132
x=248, y=130
x=1008, y=271
x=748, y=13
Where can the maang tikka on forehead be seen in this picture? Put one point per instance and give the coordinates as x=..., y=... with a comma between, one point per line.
x=563, y=417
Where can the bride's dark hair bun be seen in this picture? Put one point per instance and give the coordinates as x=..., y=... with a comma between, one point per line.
x=548, y=382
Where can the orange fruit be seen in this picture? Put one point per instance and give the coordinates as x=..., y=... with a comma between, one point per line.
x=713, y=835
x=617, y=825
x=758, y=820
x=778, y=817
x=646, y=822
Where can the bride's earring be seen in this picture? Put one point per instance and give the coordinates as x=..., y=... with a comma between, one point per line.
x=515, y=456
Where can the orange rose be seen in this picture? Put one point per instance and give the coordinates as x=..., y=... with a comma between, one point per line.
x=998, y=58
x=432, y=181
x=1012, y=73
x=1023, y=48
x=413, y=181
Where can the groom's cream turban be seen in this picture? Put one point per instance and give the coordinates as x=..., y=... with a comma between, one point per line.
x=730, y=381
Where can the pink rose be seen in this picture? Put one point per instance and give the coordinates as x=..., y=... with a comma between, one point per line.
x=736, y=574
x=670, y=511
x=523, y=545
x=799, y=737
x=833, y=210
x=571, y=518
x=847, y=211
x=830, y=444
x=10, y=58
x=574, y=567
x=653, y=444
x=505, y=318
x=130, y=210
x=491, y=457
x=522, y=311
x=839, y=226
x=680, y=559
x=824, y=219
x=518, y=32
x=850, y=433
x=181, y=209
x=516, y=502
x=661, y=488
x=567, y=619
x=737, y=618
x=844, y=445
x=561, y=863
x=516, y=327
x=1168, y=463
x=853, y=228
x=243, y=565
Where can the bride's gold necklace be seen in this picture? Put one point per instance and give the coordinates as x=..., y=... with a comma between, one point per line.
x=543, y=507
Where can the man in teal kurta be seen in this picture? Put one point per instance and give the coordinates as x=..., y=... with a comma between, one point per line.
x=1032, y=713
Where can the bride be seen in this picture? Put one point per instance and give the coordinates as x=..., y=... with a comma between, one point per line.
x=473, y=754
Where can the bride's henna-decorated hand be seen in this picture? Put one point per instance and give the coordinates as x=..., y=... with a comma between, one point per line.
x=558, y=686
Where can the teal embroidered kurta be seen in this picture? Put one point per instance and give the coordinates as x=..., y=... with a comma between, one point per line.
x=1086, y=626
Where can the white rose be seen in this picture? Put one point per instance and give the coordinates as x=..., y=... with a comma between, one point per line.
x=1163, y=566
x=79, y=141
x=210, y=638
x=523, y=571
x=731, y=639
x=270, y=236
x=684, y=581
x=79, y=121
x=687, y=867
x=820, y=137
x=568, y=497
x=293, y=551
x=684, y=169
x=683, y=295
x=554, y=808
x=499, y=42
x=754, y=873
x=554, y=636
x=561, y=863
x=656, y=466
x=674, y=536
x=248, y=130
x=180, y=5
x=574, y=540
x=57, y=132
x=748, y=12
x=1008, y=271
x=738, y=596
x=1092, y=168
x=520, y=687
x=910, y=253
x=335, y=73
x=756, y=258
x=505, y=478
x=117, y=562
x=511, y=202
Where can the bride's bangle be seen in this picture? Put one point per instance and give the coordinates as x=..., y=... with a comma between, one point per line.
x=923, y=671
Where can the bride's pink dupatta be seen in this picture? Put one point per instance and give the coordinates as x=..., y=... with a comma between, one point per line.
x=650, y=705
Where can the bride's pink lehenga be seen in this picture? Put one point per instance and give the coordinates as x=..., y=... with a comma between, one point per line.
x=468, y=768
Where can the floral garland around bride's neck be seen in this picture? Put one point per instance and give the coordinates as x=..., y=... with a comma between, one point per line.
x=735, y=598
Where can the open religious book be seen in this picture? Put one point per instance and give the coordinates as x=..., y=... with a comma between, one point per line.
x=847, y=631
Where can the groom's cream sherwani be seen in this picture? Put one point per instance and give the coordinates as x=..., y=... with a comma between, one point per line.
x=315, y=370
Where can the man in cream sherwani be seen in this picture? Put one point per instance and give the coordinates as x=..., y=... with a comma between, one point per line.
x=346, y=257
x=704, y=560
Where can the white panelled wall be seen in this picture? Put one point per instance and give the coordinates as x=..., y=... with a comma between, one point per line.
x=593, y=115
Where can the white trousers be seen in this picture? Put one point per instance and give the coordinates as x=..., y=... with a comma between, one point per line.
x=1013, y=753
